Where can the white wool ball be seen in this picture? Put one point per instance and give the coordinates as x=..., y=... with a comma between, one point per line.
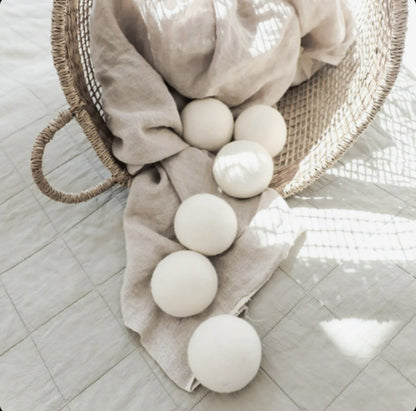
x=207, y=124
x=206, y=223
x=264, y=125
x=224, y=353
x=184, y=283
x=243, y=169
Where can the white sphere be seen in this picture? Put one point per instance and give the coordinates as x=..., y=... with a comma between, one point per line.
x=264, y=125
x=184, y=283
x=206, y=223
x=243, y=169
x=224, y=353
x=207, y=124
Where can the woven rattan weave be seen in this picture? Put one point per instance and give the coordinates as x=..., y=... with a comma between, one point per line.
x=325, y=115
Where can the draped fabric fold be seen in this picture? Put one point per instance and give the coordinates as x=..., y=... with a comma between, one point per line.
x=151, y=57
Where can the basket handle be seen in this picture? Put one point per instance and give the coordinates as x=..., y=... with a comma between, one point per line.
x=62, y=118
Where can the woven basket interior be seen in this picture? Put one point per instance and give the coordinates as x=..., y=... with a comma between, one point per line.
x=324, y=115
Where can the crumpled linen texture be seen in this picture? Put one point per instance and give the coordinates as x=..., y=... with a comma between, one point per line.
x=151, y=57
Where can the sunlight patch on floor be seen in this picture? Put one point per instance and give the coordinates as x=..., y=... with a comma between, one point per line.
x=358, y=338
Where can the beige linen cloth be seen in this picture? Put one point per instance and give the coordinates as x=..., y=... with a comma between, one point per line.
x=151, y=57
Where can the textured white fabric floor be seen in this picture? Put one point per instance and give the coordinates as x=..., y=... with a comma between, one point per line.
x=337, y=320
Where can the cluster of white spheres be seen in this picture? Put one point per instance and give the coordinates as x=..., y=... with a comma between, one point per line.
x=224, y=352
x=185, y=282
x=243, y=168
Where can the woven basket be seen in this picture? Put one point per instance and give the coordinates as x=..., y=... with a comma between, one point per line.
x=325, y=115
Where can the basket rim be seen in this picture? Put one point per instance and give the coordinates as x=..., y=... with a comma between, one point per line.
x=62, y=12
